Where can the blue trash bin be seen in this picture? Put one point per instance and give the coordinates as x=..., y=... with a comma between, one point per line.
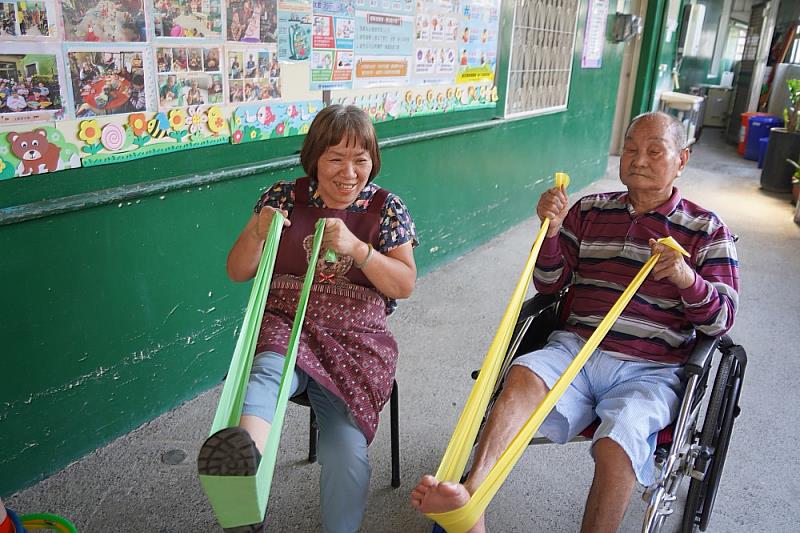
x=759, y=127
x=762, y=150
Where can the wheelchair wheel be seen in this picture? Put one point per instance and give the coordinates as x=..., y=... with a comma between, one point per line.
x=714, y=440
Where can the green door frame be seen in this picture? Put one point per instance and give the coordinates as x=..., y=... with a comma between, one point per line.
x=648, y=58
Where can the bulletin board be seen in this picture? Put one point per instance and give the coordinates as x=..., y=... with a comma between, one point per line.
x=86, y=83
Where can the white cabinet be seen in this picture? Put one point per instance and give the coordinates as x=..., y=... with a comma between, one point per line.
x=717, y=107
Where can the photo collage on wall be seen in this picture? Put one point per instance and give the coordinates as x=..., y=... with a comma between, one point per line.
x=230, y=51
x=107, y=83
x=23, y=19
x=112, y=80
x=252, y=21
x=189, y=76
x=199, y=19
x=29, y=82
x=253, y=74
x=104, y=21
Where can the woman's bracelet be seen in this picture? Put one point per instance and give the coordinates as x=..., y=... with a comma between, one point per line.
x=366, y=259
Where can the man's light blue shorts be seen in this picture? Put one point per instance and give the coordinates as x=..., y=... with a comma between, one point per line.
x=632, y=399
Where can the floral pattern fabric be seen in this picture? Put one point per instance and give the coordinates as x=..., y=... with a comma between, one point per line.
x=397, y=226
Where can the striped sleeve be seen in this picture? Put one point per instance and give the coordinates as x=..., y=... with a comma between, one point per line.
x=710, y=303
x=558, y=257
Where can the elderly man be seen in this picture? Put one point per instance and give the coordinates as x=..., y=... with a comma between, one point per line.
x=632, y=383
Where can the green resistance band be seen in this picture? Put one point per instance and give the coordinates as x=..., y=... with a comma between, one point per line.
x=47, y=521
x=242, y=500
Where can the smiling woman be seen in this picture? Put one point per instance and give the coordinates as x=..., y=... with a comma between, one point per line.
x=347, y=356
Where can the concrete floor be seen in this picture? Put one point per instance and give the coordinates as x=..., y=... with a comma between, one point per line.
x=131, y=485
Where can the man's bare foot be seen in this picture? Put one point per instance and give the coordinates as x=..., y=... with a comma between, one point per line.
x=431, y=496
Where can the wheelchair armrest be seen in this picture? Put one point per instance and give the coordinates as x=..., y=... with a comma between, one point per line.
x=538, y=304
x=700, y=358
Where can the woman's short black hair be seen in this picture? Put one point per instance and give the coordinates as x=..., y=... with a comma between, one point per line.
x=330, y=126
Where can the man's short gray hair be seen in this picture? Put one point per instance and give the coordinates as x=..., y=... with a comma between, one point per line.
x=675, y=129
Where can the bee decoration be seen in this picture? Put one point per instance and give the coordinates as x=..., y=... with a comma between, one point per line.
x=158, y=126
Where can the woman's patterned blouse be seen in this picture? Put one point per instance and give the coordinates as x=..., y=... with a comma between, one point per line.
x=397, y=226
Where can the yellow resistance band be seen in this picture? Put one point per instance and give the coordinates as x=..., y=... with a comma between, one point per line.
x=461, y=519
x=458, y=449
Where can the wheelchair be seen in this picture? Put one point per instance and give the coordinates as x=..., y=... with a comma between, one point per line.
x=694, y=446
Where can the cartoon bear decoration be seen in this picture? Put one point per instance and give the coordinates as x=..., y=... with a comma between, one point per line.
x=37, y=154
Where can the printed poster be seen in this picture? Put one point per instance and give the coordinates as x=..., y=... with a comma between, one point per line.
x=254, y=74
x=595, y=37
x=189, y=76
x=435, y=35
x=252, y=21
x=294, y=33
x=332, y=44
x=383, y=46
x=107, y=82
x=21, y=20
x=31, y=84
x=104, y=21
x=200, y=19
x=477, y=42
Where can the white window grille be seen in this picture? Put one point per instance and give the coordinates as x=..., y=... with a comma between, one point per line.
x=542, y=45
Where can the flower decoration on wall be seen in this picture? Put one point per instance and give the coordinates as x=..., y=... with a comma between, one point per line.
x=197, y=120
x=137, y=124
x=89, y=132
x=113, y=137
x=177, y=122
x=177, y=119
x=237, y=137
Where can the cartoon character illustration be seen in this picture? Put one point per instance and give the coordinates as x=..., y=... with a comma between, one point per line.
x=392, y=105
x=265, y=115
x=249, y=117
x=158, y=126
x=297, y=42
x=37, y=155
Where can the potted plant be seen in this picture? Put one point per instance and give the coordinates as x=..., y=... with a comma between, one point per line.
x=791, y=114
x=784, y=144
x=795, y=179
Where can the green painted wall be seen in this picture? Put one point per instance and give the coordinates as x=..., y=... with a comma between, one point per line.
x=114, y=314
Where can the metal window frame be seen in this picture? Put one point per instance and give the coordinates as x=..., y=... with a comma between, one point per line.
x=543, y=110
